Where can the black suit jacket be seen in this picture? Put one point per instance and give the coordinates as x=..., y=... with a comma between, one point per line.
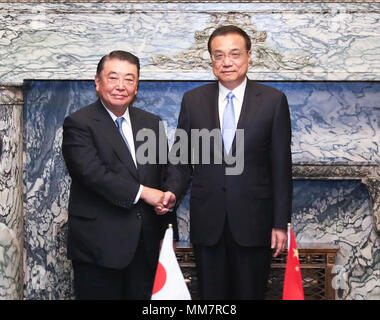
x=104, y=224
x=258, y=199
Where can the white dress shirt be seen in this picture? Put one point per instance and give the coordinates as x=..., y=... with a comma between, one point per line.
x=237, y=101
x=128, y=133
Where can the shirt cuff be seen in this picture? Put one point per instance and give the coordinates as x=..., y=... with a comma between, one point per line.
x=138, y=194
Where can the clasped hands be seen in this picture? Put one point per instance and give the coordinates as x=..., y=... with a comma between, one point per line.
x=161, y=201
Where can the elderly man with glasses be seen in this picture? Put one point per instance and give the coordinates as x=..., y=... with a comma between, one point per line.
x=235, y=220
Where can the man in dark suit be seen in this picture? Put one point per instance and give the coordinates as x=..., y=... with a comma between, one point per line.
x=114, y=232
x=235, y=219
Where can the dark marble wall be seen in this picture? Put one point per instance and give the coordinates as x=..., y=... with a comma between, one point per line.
x=332, y=122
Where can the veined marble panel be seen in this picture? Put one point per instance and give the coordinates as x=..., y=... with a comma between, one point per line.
x=369, y=175
x=291, y=41
x=334, y=122
x=49, y=273
x=339, y=212
x=342, y=209
x=11, y=192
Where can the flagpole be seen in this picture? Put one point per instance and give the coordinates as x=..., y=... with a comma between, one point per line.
x=289, y=226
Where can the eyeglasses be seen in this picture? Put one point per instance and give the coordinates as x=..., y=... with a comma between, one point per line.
x=233, y=55
x=116, y=80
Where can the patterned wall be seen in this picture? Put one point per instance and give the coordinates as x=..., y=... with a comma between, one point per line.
x=324, y=211
x=335, y=124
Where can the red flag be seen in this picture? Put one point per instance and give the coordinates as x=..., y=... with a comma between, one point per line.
x=293, y=288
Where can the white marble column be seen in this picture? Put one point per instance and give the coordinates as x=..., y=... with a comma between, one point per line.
x=11, y=190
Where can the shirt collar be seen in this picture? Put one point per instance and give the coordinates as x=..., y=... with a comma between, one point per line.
x=125, y=115
x=238, y=91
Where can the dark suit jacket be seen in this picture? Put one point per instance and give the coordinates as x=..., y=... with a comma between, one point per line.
x=104, y=224
x=255, y=201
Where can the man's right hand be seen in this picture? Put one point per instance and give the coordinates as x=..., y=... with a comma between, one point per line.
x=152, y=196
x=167, y=203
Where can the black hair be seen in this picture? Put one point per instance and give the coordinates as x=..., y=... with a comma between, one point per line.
x=121, y=55
x=221, y=31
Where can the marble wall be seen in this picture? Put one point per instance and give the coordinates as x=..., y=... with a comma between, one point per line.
x=324, y=211
x=339, y=212
x=291, y=41
x=11, y=194
x=335, y=124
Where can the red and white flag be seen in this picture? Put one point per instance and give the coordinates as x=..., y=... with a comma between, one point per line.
x=293, y=288
x=169, y=283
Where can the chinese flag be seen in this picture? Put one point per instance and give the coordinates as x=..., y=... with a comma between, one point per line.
x=293, y=288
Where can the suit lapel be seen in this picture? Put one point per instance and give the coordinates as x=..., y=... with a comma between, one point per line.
x=212, y=100
x=112, y=134
x=137, y=125
x=252, y=99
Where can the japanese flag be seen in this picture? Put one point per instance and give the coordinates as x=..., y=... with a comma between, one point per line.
x=169, y=283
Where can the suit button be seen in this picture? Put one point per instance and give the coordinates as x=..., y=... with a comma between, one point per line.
x=224, y=189
x=138, y=215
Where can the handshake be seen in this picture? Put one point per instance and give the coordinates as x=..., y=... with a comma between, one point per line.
x=161, y=201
